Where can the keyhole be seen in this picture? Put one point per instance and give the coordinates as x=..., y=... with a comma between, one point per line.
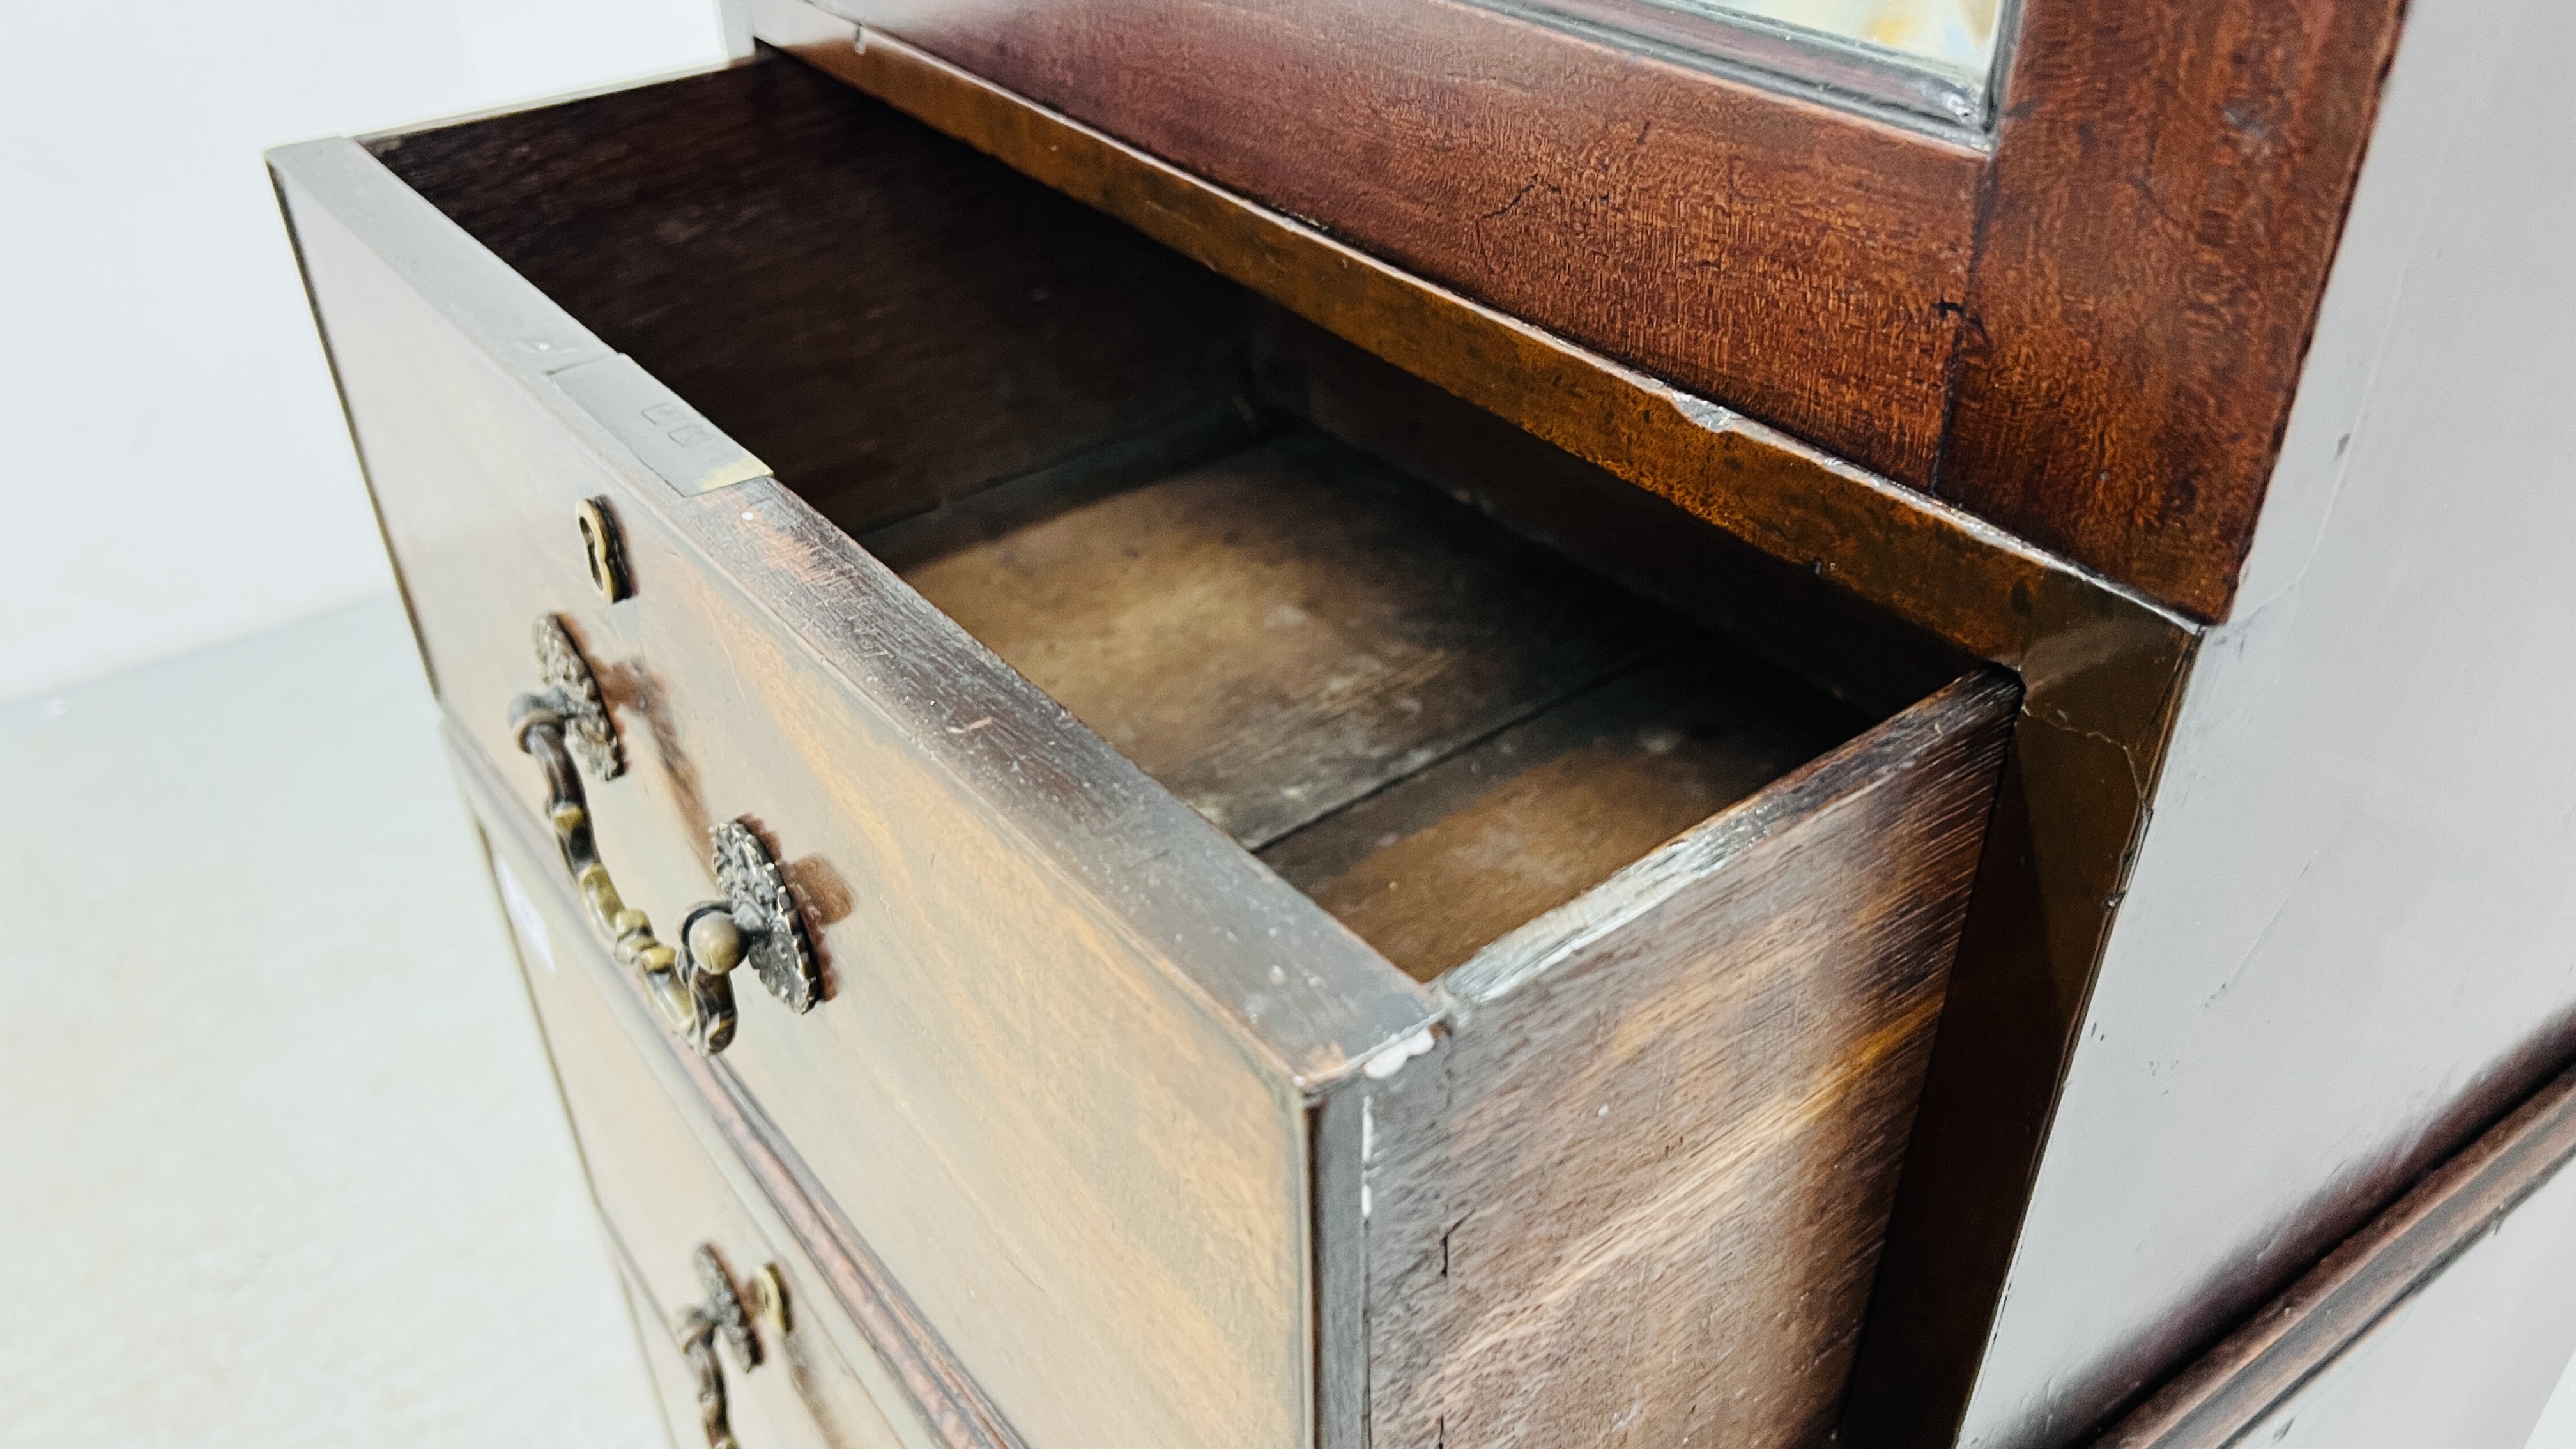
x=602, y=550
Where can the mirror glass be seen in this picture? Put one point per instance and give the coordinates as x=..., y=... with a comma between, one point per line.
x=1928, y=59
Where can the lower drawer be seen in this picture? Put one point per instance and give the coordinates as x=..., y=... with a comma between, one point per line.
x=675, y=1190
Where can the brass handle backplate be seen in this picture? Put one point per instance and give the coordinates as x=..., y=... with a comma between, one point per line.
x=566, y=727
x=724, y=1315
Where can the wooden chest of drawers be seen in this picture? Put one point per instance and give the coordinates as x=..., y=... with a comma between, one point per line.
x=1330, y=917
x=1332, y=849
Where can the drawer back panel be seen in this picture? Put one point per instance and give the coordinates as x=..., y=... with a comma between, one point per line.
x=885, y=316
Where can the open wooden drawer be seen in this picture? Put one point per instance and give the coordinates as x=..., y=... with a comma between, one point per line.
x=1333, y=969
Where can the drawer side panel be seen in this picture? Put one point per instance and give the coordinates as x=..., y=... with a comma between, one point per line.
x=1637, y=1194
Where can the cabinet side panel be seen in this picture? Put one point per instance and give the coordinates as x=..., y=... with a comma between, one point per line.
x=2347, y=941
x=1638, y=1195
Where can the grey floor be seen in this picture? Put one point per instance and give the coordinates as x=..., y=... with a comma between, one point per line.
x=283, y=1164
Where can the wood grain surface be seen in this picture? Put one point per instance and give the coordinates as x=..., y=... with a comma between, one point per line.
x=1837, y=640
x=1636, y=1195
x=2169, y=182
x=1435, y=867
x=2102, y=667
x=1276, y=632
x=2086, y=330
x=1785, y=257
x=1438, y=730
x=1908, y=556
x=853, y=297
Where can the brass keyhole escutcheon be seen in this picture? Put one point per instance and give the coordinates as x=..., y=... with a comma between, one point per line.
x=766, y=1298
x=603, y=549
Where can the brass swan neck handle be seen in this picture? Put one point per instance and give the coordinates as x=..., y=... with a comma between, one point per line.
x=565, y=726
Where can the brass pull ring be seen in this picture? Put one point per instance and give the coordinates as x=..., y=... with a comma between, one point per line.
x=567, y=719
x=566, y=727
x=696, y=1004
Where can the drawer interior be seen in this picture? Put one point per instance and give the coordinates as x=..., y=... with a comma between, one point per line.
x=1435, y=728
x=1355, y=623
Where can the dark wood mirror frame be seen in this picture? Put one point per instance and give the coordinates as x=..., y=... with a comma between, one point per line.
x=2086, y=330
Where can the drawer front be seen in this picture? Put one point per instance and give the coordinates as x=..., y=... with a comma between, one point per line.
x=1059, y=1083
x=668, y=1180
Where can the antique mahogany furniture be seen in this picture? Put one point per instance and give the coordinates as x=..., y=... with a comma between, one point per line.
x=1166, y=779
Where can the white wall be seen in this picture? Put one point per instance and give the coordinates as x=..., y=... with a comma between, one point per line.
x=2359, y=891
x=173, y=466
